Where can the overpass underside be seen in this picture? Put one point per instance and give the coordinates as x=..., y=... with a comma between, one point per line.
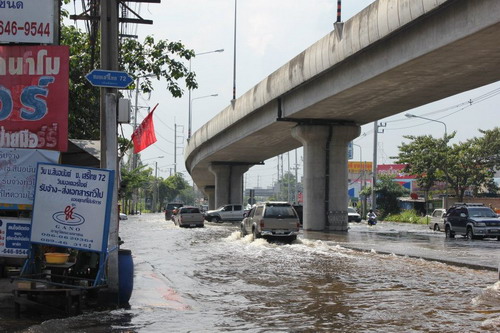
x=393, y=56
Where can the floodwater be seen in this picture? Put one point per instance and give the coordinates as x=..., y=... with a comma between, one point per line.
x=212, y=280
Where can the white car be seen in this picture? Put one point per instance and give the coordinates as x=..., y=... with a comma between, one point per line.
x=123, y=216
x=436, y=219
x=352, y=215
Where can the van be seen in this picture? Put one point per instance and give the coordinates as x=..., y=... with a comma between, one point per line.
x=272, y=219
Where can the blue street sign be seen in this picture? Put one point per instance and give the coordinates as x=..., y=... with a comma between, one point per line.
x=109, y=79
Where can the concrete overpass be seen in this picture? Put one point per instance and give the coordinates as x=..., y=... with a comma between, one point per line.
x=393, y=56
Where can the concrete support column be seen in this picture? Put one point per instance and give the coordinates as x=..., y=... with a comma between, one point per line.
x=314, y=140
x=210, y=193
x=237, y=172
x=338, y=175
x=222, y=183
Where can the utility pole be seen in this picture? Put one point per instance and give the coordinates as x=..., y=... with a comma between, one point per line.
x=175, y=149
x=109, y=130
x=374, y=165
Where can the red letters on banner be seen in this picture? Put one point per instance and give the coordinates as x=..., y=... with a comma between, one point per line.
x=34, y=97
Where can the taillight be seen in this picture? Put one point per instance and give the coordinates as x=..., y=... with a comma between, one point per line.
x=262, y=223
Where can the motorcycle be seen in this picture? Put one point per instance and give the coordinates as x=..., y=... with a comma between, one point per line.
x=372, y=220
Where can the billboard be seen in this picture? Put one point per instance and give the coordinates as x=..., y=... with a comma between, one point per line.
x=34, y=97
x=28, y=21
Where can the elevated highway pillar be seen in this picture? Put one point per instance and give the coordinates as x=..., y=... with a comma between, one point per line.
x=325, y=174
x=338, y=176
x=228, y=183
x=210, y=193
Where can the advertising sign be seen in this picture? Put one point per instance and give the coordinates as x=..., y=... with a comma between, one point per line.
x=34, y=97
x=358, y=167
x=27, y=21
x=72, y=207
x=14, y=237
x=18, y=171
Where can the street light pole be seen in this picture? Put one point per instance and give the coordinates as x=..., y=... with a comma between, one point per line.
x=191, y=110
x=189, y=90
x=234, y=51
x=409, y=115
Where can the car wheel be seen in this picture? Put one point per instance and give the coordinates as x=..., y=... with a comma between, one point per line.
x=436, y=227
x=448, y=232
x=215, y=219
x=242, y=231
x=256, y=234
x=470, y=233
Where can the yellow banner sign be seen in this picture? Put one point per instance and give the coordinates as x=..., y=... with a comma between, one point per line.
x=358, y=167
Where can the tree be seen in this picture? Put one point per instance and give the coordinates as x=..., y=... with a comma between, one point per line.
x=161, y=58
x=172, y=187
x=387, y=191
x=426, y=158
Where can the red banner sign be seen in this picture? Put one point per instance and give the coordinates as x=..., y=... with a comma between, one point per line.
x=34, y=97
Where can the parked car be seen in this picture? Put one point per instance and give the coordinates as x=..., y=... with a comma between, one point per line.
x=188, y=216
x=272, y=219
x=353, y=215
x=169, y=209
x=472, y=221
x=225, y=213
x=436, y=219
x=123, y=216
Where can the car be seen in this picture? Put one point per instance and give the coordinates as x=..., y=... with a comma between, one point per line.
x=225, y=213
x=353, y=215
x=123, y=216
x=188, y=216
x=473, y=221
x=169, y=209
x=271, y=219
x=436, y=219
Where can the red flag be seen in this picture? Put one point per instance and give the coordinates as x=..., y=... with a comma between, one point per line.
x=144, y=135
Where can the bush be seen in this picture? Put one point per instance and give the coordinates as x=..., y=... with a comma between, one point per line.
x=406, y=216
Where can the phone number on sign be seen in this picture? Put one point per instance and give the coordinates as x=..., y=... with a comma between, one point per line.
x=27, y=28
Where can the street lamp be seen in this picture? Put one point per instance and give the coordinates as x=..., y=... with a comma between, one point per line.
x=189, y=90
x=190, y=111
x=409, y=115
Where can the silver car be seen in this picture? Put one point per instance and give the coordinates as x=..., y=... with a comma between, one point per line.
x=436, y=219
x=187, y=216
x=272, y=219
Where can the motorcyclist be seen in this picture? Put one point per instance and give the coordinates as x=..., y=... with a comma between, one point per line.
x=372, y=217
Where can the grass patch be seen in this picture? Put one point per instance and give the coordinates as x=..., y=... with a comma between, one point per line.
x=407, y=216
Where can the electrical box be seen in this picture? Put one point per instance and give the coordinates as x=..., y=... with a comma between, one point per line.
x=124, y=109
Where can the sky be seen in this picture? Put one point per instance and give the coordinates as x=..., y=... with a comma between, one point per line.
x=268, y=35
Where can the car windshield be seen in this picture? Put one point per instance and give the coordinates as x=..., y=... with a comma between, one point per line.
x=351, y=210
x=284, y=211
x=481, y=212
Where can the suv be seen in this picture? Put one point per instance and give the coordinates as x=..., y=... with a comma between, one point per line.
x=472, y=221
x=169, y=209
x=225, y=213
x=187, y=216
x=273, y=218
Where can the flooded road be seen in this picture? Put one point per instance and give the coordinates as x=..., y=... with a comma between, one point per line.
x=212, y=280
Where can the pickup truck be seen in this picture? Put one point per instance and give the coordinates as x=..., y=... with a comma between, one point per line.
x=225, y=213
x=187, y=216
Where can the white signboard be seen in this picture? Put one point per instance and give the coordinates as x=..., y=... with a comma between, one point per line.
x=17, y=173
x=14, y=237
x=27, y=21
x=72, y=207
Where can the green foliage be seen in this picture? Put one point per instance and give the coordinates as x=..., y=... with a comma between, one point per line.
x=171, y=188
x=160, y=58
x=406, y=216
x=387, y=192
x=466, y=165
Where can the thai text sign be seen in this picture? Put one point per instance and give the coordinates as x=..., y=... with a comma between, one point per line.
x=34, y=97
x=27, y=21
x=14, y=237
x=18, y=171
x=358, y=167
x=72, y=207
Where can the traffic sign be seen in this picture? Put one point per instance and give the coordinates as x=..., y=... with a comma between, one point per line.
x=109, y=79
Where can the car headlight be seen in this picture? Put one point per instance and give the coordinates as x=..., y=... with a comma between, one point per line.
x=480, y=224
